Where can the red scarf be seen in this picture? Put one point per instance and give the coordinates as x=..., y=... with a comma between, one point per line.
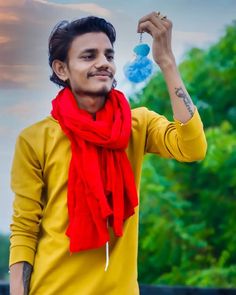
x=101, y=186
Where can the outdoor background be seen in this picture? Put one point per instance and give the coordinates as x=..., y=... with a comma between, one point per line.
x=188, y=211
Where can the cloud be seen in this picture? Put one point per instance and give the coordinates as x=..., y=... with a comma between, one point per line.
x=10, y=3
x=4, y=39
x=8, y=18
x=85, y=7
x=19, y=76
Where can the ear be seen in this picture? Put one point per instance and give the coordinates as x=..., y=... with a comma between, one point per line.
x=60, y=69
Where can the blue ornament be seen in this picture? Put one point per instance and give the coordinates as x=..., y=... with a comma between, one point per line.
x=142, y=49
x=141, y=67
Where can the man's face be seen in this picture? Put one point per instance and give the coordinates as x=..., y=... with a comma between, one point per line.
x=90, y=66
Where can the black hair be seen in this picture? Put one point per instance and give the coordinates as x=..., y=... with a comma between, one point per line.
x=65, y=32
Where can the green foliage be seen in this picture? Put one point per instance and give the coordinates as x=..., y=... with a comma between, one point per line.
x=4, y=256
x=187, y=220
x=187, y=210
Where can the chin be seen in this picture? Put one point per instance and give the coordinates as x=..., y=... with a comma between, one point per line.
x=102, y=91
x=96, y=90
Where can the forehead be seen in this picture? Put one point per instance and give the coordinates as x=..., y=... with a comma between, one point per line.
x=86, y=41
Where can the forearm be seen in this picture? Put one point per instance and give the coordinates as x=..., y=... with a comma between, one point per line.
x=182, y=105
x=160, y=28
x=20, y=274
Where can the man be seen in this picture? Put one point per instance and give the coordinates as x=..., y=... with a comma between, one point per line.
x=76, y=173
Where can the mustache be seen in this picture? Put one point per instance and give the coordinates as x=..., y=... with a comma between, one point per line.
x=100, y=73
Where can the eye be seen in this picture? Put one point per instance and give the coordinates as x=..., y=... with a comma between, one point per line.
x=88, y=57
x=110, y=57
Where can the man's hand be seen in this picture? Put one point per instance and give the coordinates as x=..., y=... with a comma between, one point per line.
x=160, y=28
x=20, y=274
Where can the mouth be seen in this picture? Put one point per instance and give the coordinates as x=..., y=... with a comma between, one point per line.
x=102, y=74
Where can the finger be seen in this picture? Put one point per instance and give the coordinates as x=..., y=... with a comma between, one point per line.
x=149, y=28
x=149, y=17
x=154, y=28
x=158, y=23
x=153, y=18
x=153, y=14
x=159, y=15
x=167, y=23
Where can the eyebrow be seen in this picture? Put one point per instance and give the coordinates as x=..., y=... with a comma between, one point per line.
x=94, y=50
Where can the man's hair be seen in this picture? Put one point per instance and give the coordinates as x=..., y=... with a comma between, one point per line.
x=65, y=32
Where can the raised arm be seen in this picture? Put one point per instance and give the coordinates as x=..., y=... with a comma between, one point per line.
x=160, y=28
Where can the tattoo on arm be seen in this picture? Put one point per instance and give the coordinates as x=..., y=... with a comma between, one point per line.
x=27, y=270
x=187, y=101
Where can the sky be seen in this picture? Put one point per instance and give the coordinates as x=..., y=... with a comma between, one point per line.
x=25, y=89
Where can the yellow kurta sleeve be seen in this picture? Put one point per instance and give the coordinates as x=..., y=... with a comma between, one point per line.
x=184, y=142
x=27, y=184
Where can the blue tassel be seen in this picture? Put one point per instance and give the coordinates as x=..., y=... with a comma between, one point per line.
x=142, y=67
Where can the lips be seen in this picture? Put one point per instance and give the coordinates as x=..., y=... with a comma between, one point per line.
x=101, y=74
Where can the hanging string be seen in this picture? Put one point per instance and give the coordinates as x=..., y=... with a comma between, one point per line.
x=141, y=38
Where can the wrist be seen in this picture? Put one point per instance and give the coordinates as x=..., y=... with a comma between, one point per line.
x=167, y=63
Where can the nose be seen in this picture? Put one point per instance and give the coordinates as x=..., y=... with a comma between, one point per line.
x=102, y=62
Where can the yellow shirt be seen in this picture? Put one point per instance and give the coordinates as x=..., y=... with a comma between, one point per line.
x=40, y=218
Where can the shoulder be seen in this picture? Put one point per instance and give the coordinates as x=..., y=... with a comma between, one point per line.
x=143, y=116
x=39, y=129
x=37, y=138
x=139, y=114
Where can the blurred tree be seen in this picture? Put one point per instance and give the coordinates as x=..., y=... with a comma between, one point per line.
x=4, y=256
x=187, y=217
x=187, y=211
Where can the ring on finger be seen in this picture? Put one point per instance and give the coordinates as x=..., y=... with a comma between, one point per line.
x=159, y=15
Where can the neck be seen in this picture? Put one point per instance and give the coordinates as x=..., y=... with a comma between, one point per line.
x=91, y=103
